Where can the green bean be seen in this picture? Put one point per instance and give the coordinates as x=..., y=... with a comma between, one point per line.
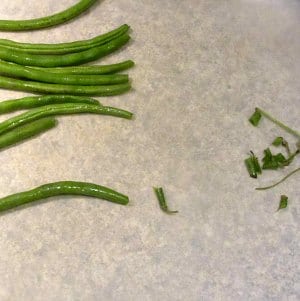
x=162, y=200
x=46, y=88
x=62, y=188
x=30, y=102
x=58, y=18
x=71, y=59
x=26, y=131
x=15, y=70
x=60, y=109
x=96, y=69
x=63, y=48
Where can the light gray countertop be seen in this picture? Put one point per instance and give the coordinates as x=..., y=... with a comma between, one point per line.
x=201, y=68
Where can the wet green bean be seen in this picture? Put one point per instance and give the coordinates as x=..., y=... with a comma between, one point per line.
x=46, y=88
x=60, y=109
x=95, y=69
x=30, y=102
x=26, y=131
x=15, y=70
x=52, y=20
x=63, y=48
x=62, y=188
x=71, y=59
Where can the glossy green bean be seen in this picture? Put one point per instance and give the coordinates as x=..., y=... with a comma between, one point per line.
x=30, y=102
x=46, y=88
x=63, y=48
x=71, y=59
x=52, y=20
x=84, y=70
x=26, y=131
x=15, y=70
x=63, y=188
x=60, y=109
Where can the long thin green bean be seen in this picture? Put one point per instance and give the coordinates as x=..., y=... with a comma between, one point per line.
x=46, y=88
x=62, y=188
x=26, y=131
x=95, y=69
x=60, y=109
x=71, y=59
x=15, y=70
x=63, y=48
x=52, y=20
x=30, y=102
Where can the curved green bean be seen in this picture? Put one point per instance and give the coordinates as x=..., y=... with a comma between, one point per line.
x=46, y=88
x=26, y=131
x=60, y=109
x=63, y=48
x=30, y=102
x=15, y=70
x=71, y=59
x=58, y=18
x=84, y=70
x=63, y=188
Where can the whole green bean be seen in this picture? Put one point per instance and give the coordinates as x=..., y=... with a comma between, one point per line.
x=26, y=131
x=63, y=48
x=71, y=59
x=96, y=69
x=15, y=70
x=62, y=188
x=46, y=88
x=58, y=18
x=30, y=102
x=60, y=109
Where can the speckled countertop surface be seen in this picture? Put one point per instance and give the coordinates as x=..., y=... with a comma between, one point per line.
x=202, y=67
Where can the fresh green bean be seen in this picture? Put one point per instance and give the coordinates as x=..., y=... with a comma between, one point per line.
x=58, y=18
x=62, y=188
x=15, y=70
x=63, y=48
x=71, y=59
x=96, y=69
x=26, y=131
x=162, y=200
x=60, y=109
x=30, y=102
x=46, y=88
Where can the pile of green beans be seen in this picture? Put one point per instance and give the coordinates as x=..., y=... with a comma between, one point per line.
x=54, y=70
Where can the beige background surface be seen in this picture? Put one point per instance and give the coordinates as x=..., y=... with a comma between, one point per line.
x=201, y=68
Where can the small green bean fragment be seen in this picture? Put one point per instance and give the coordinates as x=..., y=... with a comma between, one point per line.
x=26, y=131
x=46, y=88
x=283, y=202
x=162, y=200
x=95, y=69
x=61, y=109
x=71, y=59
x=30, y=102
x=63, y=48
x=48, y=21
x=62, y=188
x=15, y=70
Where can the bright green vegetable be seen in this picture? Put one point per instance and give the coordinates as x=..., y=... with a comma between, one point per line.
x=253, y=165
x=62, y=188
x=283, y=202
x=63, y=48
x=71, y=59
x=26, y=131
x=30, y=102
x=60, y=109
x=84, y=70
x=162, y=200
x=15, y=70
x=58, y=18
x=46, y=88
x=255, y=118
